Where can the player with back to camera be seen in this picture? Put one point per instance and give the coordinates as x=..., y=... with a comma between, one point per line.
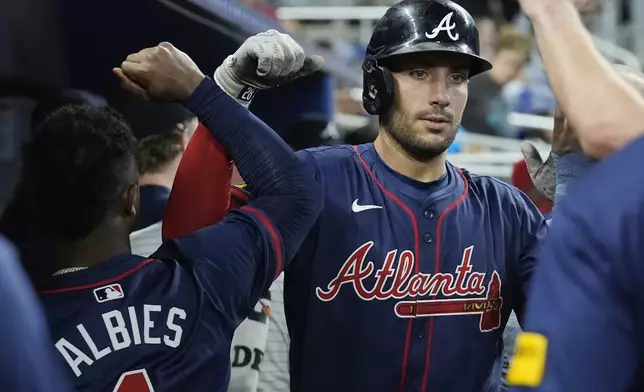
x=583, y=324
x=409, y=275
x=121, y=322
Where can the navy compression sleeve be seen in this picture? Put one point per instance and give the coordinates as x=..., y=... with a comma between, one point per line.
x=282, y=187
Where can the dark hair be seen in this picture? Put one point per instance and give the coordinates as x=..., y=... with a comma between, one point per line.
x=74, y=167
x=156, y=151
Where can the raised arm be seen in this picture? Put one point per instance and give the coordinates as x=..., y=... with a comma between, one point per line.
x=237, y=259
x=583, y=80
x=580, y=324
x=201, y=191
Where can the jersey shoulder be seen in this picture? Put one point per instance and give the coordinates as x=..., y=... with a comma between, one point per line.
x=611, y=192
x=330, y=155
x=330, y=161
x=493, y=187
x=503, y=200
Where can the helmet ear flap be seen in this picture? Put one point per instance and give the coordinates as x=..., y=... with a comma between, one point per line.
x=377, y=87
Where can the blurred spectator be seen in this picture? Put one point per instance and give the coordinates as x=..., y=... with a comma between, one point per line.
x=488, y=37
x=158, y=157
x=487, y=111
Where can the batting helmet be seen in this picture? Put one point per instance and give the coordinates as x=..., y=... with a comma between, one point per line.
x=416, y=26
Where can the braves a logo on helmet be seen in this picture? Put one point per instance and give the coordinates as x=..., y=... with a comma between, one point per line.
x=447, y=26
x=399, y=283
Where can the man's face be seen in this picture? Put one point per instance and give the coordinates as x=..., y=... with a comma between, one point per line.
x=431, y=93
x=508, y=64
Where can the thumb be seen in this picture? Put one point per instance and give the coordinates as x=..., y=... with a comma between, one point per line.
x=532, y=157
x=559, y=122
x=311, y=64
x=129, y=84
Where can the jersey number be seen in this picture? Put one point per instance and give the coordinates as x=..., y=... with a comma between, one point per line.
x=134, y=381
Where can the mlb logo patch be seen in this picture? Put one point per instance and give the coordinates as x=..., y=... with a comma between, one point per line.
x=108, y=293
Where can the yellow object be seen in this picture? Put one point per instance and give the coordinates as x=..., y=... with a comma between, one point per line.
x=241, y=186
x=529, y=361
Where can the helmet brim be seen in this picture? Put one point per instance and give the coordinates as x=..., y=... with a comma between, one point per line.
x=478, y=64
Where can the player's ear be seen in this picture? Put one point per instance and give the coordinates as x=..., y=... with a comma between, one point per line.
x=131, y=201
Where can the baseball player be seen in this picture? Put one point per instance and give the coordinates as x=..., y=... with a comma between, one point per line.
x=261, y=341
x=585, y=306
x=409, y=275
x=121, y=322
x=251, y=337
x=26, y=356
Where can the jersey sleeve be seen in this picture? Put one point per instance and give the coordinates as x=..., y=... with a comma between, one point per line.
x=578, y=330
x=201, y=190
x=27, y=359
x=235, y=261
x=532, y=229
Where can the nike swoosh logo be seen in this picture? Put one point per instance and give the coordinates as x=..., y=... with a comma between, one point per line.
x=355, y=207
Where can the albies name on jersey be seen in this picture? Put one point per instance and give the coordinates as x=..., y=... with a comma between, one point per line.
x=124, y=331
x=405, y=284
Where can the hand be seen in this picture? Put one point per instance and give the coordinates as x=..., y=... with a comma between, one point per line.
x=532, y=8
x=586, y=5
x=162, y=73
x=543, y=174
x=263, y=61
x=564, y=138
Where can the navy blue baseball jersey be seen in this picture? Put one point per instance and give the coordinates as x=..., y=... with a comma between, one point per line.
x=164, y=323
x=406, y=286
x=26, y=359
x=585, y=312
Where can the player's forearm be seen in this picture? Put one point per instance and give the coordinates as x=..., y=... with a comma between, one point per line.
x=284, y=189
x=260, y=154
x=605, y=111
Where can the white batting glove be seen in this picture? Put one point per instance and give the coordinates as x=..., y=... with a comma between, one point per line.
x=542, y=173
x=263, y=61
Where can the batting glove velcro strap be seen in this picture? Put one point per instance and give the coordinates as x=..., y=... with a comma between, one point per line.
x=264, y=61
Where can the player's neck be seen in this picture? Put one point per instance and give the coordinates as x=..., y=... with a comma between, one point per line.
x=159, y=179
x=402, y=162
x=101, y=245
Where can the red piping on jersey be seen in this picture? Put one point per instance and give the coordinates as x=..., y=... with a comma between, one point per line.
x=416, y=256
x=276, y=240
x=101, y=283
x=441, y=218
x=239, y=194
